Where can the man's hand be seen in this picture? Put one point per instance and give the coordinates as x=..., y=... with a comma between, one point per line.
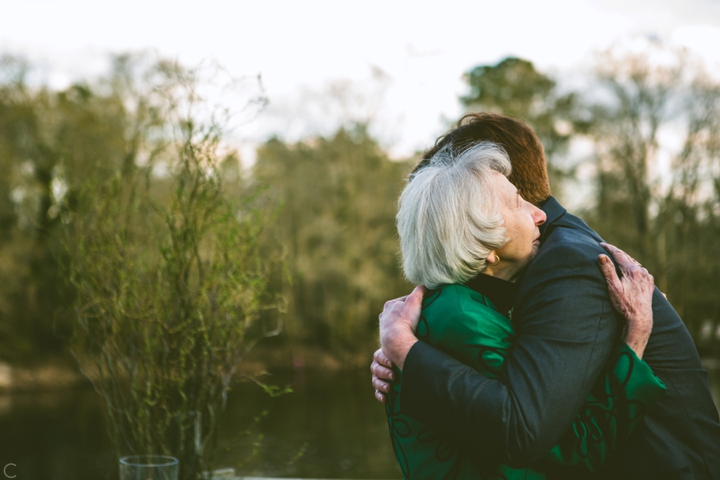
x=631, y=295
x=382, y=375
x=397, y=324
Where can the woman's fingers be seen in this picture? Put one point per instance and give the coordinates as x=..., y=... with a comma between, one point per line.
x=611, y=277
x=623, y=259
x=631, y=295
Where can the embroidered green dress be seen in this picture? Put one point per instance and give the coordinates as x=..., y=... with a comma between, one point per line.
x=465, y=324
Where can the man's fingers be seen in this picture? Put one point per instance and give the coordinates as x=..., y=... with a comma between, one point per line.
x=380, y=385
x=414, y=300
x=382, y=359
x=402, y=299
x=380, y=397
x=381, y=372
x=388, y=305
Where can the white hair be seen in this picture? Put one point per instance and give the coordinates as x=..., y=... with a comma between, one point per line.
x=449, y=218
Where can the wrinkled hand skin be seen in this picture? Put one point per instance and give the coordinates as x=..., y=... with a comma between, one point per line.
x=398, y=321
x=631, y=295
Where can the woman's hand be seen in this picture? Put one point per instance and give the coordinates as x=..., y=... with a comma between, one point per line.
x=631, y=295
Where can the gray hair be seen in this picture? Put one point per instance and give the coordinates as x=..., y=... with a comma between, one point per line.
x=448, y=216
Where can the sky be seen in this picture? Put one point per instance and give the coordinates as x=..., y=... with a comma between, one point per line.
x=397, y=62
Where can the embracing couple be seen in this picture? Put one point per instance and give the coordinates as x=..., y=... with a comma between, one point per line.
x=525, y=354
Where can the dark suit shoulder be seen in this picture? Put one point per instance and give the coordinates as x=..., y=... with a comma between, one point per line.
x=564, y=284
x=564, y=250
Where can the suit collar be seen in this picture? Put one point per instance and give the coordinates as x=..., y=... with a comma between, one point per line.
x=553, y=210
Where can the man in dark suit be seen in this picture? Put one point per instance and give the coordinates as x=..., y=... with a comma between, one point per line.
x=566, y=328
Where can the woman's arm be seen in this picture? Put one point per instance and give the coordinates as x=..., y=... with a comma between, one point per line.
x=626, y=390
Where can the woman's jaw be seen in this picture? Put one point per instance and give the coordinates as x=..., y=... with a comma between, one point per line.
x=521, y=221
x=512, y=270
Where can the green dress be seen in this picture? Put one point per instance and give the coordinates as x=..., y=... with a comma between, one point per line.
x=467, y=325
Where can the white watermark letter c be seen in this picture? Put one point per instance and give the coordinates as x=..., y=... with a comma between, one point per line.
x=6, y=472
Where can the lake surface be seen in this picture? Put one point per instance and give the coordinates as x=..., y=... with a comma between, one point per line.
x=329, y=427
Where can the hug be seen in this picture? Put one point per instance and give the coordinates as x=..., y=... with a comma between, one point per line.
x=525, y=354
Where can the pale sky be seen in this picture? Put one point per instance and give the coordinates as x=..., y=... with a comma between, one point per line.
x=404, y=59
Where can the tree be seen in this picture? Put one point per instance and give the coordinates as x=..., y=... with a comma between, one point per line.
x=336, y=225
x=656, y=135
x=49, y=141
x=169, y=284
x=514, y=87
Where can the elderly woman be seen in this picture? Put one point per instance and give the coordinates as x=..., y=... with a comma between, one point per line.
x=467, y=235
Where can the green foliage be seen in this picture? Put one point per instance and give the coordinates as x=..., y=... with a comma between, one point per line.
x=49, y=141
x=169, y=287
x=336, y=225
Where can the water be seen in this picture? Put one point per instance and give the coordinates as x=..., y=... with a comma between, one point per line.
x=330, y=427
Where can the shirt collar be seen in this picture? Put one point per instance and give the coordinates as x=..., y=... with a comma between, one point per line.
x=500, y=292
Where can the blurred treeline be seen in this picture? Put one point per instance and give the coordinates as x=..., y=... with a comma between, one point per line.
x=636, y=150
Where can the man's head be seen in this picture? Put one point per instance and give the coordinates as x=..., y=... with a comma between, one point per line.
x=527, y=156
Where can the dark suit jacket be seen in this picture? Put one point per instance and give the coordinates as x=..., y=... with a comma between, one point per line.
x=566, y=329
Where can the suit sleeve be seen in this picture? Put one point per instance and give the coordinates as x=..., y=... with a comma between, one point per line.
x=567, y=329
x=626, y=389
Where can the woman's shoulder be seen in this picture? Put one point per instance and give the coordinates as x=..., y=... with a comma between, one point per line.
x=463, y=322
x=457, y=299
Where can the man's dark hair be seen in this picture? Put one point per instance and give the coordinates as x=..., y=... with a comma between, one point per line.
x=527, y=156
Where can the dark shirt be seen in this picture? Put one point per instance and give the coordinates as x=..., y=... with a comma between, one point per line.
x=500, y=292
x=566, y=329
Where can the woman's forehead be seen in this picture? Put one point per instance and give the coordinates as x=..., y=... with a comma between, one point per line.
x=504, y=187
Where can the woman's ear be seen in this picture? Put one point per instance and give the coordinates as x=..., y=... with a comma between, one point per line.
x=491, y=258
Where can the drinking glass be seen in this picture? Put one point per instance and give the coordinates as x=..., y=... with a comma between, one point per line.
x=149, y=467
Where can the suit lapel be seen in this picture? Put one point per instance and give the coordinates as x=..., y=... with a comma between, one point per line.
x=557, y=216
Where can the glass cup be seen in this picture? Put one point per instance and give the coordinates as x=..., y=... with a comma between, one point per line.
x=149, y=467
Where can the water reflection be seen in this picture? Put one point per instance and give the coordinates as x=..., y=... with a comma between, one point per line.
x=55, y=435
x=330, y=427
